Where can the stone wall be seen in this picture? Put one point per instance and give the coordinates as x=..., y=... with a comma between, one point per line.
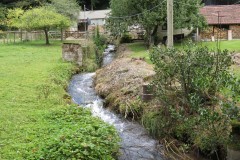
x=235, y=31
x=208, y=33
x=74, y=34
x=72, y=52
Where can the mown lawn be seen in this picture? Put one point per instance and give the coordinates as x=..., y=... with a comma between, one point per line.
x=233, y=45
x=32, y=107
x=140, y=50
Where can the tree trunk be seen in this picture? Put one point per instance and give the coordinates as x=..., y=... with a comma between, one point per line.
x=148, y=37
x=46, y=36
x=154, y=36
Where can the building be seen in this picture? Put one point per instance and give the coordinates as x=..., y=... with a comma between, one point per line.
x=88, y=20
x=223, y=22
x=220, y=2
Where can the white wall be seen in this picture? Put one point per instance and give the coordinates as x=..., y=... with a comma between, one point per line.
x=100, y=22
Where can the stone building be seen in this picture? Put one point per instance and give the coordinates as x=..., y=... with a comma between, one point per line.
x=223, y=22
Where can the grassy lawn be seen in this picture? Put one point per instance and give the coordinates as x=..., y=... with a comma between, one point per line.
x=140, y=51
x=233, y=45
x=33, y=78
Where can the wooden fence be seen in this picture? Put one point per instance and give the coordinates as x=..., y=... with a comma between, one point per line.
x=21, y=36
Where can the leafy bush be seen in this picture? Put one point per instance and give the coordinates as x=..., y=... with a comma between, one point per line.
x=78, y=136
x=99, y=39
x=90, y=64
x=100, y=42
x=189, y=85
x=126, y=38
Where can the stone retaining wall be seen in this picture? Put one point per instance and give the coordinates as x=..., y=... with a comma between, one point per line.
x=72, y=52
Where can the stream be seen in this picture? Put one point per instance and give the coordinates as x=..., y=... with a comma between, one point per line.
x=136, y=144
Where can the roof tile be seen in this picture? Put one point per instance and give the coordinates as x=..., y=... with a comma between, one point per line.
x=229, y=14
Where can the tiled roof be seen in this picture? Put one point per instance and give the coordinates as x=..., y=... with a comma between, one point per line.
x=229, y=14
x=97, y=14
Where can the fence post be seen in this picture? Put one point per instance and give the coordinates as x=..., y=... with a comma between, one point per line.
x=7, y=36
x=21, y=35
x=4, y=38
x=14, y=36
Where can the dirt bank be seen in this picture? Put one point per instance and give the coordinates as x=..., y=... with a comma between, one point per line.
x=120, y=83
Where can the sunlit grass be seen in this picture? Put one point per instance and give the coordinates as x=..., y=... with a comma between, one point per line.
x=139, y=49
x=24, y=67
x=32, y=81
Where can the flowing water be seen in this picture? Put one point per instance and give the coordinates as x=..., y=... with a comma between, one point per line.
x=135, y=144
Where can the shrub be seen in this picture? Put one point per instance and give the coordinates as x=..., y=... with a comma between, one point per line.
x=100, y=42
x=126, y=38
x=90, y=63
x=189, y=85
x=99, y=39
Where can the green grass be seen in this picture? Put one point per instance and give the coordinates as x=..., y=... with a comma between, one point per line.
x=33, y=78
x=233, y=45
x=139, y=50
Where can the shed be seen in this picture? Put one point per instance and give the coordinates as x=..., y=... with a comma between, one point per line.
x=223, y=22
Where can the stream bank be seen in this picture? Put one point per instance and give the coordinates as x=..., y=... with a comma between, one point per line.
x=136, y=144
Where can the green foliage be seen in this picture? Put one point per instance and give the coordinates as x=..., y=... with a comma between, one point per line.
x=188, y=86
x=13, y=17
x=68, y=8
x=126, y=38
x=153, y=15
x=133, y=108
x=100, y=42
x=89, y=58
x=26, y=4
x=80, y=137
x=236, y=126
x=34, y=107
x=95, y=4
x=43, y=18
x=2, y=17
x=195, y=74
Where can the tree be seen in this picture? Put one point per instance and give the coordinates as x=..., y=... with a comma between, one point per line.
x=26, y=4
x=42, y=18
x=152, y=14
x=2, y=18
x=95, y=4
x=68, y=8
x=13, y=17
